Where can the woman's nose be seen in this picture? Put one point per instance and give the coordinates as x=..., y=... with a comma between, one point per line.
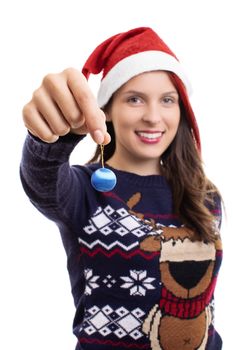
x=152, y=114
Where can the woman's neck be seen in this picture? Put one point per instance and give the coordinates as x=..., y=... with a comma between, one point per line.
x=143, y=168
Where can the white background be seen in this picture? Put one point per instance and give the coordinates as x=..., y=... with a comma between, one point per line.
x=38, y=37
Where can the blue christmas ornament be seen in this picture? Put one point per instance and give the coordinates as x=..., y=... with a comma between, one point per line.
x=103, y=180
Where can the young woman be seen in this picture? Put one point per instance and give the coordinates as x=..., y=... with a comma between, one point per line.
x=143, y=256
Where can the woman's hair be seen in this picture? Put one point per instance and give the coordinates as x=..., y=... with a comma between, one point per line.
x=193, y=193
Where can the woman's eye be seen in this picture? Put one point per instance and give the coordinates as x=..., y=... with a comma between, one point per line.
x=168, y=100
x=134, y=99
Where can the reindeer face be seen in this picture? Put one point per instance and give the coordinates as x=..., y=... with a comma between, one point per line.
x=186, y=263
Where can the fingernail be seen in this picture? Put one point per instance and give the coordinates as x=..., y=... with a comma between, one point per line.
x=74, y=125
x=98, y=136
x=107, y=139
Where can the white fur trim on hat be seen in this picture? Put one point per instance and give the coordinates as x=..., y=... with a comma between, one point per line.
x=135, y=64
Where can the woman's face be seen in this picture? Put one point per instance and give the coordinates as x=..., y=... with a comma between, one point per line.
x=145, y=113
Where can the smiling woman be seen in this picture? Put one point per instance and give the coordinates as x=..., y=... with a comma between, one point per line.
x=162, y=217
x=145, y=114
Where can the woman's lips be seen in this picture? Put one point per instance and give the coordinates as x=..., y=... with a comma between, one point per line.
x=150, y=136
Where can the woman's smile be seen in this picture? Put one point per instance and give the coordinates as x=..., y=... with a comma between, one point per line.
x=150, y=137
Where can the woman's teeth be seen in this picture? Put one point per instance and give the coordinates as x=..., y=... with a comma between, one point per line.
x=150, y=135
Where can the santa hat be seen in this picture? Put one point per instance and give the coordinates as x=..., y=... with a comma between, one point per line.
x=125, y=55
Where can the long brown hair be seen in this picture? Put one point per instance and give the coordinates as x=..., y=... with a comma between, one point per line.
x=182, y=166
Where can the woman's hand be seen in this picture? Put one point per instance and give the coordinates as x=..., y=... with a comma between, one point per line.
x=62, y=104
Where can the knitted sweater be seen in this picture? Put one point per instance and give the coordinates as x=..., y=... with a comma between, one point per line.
x=140, y=279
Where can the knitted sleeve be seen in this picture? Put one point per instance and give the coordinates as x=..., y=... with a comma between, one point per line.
x=46, y=175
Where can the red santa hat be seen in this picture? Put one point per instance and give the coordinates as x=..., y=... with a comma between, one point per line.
x=127, y=54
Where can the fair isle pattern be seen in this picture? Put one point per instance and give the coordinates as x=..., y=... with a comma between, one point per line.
x=116, y=251
x=108, y=246
x=120, y=322
x=91, y=281
x=112, y=231
x=109, y=220
x=137, y=283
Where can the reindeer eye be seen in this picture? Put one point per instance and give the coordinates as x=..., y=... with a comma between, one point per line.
x=174, y=243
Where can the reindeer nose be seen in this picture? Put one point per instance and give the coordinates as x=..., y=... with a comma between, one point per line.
x=188, y=273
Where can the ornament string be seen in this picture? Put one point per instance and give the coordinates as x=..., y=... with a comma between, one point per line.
x=102, y=155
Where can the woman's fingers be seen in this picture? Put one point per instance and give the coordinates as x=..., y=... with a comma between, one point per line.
x=37, y=125
x=94, y=116
x=50, y=112
x=64, y=103
x=59, y=92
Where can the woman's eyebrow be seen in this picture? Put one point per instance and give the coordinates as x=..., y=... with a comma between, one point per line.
x=137, y=92
x=172, y=92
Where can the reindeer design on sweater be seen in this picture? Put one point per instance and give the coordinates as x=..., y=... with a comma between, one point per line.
x=182, y=317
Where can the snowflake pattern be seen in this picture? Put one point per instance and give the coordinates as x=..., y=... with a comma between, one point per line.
x=90, y=281
x=138, y=282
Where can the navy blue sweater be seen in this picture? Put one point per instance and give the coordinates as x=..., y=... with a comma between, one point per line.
x=140, y=278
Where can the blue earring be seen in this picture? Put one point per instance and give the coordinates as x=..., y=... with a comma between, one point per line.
x=103, y=179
